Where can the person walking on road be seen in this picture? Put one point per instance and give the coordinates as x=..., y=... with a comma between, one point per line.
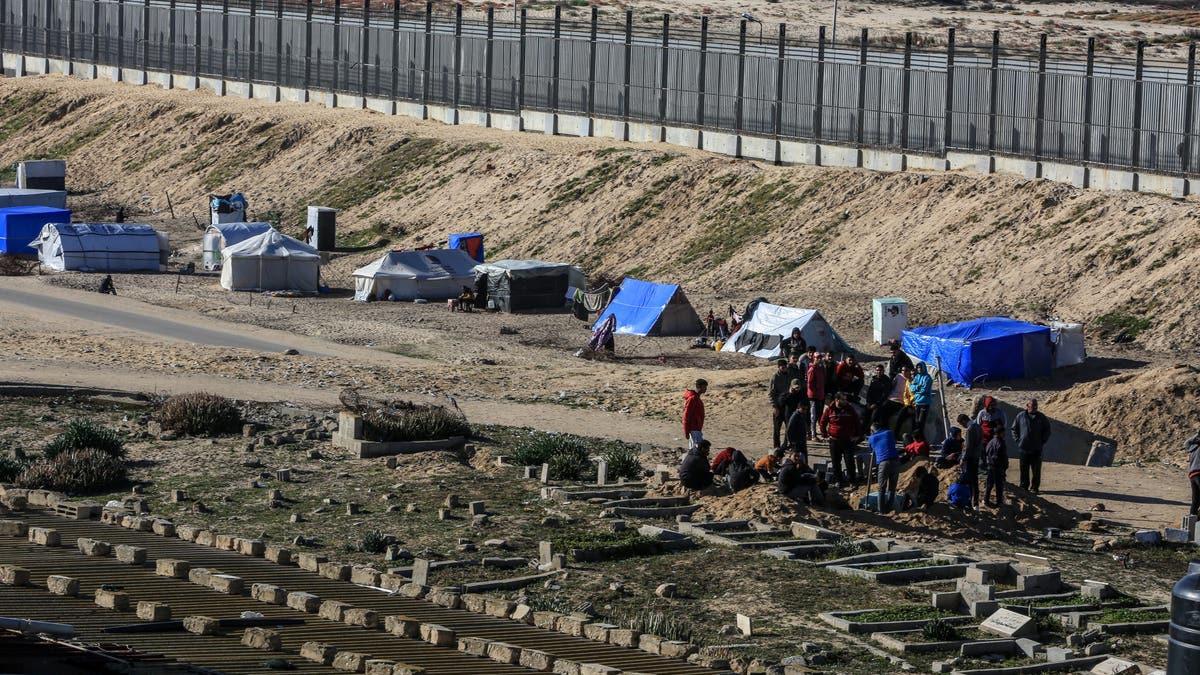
x=1031, y=430
x=693, y=413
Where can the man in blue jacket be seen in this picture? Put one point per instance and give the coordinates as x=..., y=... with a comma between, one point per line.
x=921, y=387
x=887, y=458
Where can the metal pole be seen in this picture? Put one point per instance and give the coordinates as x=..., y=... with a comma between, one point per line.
x=197, y=46
x=25, y=27
x=4, y=28
x=250, y=69
x=1041, y=98
x=948, y=120
x=425, y=60
x=1136, y=145
x=120, y=34
x=663, y=69
x=995, y=89
x=1185, y=159
x=833, y=37
x=942, y=392
x=337, y=46
x=308, y=30
x=905, y=84
x=171, y=32
x=739, y=103
x=701, y=80
x=554, y=60
x=364, y=54
x=279, y=55
x=457, y=55
x=862, y=86
x=47, y=20
x=591, y=90
x=395, y=52
x=146, y=35
x=819, y=103
x=489, y=65
x=521, y=63
x=1087, y=100
x=70, y=32
x=779, y=60
x=224, y=42
x=628, y=59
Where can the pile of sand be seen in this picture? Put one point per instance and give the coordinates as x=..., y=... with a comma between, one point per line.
x=1150, y=413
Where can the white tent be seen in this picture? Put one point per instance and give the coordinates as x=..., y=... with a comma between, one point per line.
x=219, y=236
x=1067, y=341
x=409, y=275
x=768, y=325
x=98, y=247
x=271, y=261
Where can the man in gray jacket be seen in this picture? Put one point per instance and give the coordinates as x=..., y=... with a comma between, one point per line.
x=1193, y=448
x=1031, y=430
x=971, y=453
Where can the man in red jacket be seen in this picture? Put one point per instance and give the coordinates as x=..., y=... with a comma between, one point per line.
x=841, y=425
x=693, y=413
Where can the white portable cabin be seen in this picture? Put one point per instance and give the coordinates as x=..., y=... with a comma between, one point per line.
x=99, y=247
x=271, y=261
x=221, y=235
x=412, y=275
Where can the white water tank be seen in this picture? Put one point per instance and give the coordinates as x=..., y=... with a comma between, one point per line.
x=889, y=318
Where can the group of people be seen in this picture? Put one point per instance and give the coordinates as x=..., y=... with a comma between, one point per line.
x=814, y=395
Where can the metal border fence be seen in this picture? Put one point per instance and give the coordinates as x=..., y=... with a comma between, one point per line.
x=1073, y=108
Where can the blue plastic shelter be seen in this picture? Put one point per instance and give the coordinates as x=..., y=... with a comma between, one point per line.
x=471, y=242
x=20, y=225
x=647, y=308
x=996, y=348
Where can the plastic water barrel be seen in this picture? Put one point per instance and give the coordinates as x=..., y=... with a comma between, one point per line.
x=1183, y=640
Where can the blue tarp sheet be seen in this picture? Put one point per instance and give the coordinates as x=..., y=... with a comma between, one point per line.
x=471, y=242
x=996, y=348
x=19, y=225
x=638, y=306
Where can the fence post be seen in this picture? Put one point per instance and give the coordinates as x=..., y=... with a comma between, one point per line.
x=1136, y=144
x=628, y=65
x=337, y=51
x=395, y=53
x=819, y=101
x=25, y=33
x=196, y=46
x=779, y=91
x=279, y=54
x=250, y=69
x=664, y=53
x=905, y=90
x=701, y=81
x=425, y=65
x=1188, y=112
x=1041, y=103
x=308, y=24
x=224, y=45
x=862, y=91
x=739, y=102
x=552, y=122
x=364, y=53
x=591, y=91
x=145, y=40
x=521, y=70
x=1087, y=103
x=47, y=20
x=948, y=120
x=994, y=85
x=4, y=30
x=489, y=67
x=70, y=35
x=457, y=59
x=120, y=36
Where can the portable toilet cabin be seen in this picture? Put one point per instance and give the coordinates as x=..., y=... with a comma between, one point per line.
x=889, y=318
x=42, y=174
x=321, y=231
x=229, y=208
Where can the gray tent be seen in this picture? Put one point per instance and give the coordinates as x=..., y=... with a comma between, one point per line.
x=517, y=285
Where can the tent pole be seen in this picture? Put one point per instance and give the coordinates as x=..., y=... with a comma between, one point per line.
x=942, y=392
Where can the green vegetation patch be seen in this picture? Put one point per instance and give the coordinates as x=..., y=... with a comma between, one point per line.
x=732, y=226
x=899, y=613
x=1134, y=615
x=575, y=189
x=569, y=456
x=18, y=112
x=646, y=204
x=609, y=545
x=1120, y=326
x=405, y=421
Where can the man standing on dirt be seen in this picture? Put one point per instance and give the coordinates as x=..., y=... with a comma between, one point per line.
x=840, y=424
x=1031, y=430
x=898, y=360
x=693, y=413
x=971, y=453
x=777, y=392
x=877, y=394
x=1193, y=448
x=887, y=459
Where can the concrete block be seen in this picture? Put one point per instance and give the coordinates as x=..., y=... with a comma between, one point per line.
x=445, y=597
x=1141, y=536
x=1059, y=654
x=118, y=600
x=360, y=616
x=1115, y=666
x=187, y=532
x=498, y=607
x=983, y=608
x=597, y=669
x=278, y=555
x=205, y=538
x=973, y=592
x=402, y=626
x=1046, y=582
x=522, y=614
x=170, y=567
x=311, y=561
x=565, y=667
x=153, y=611
x=268, y=593
x=534, y=659
x=335, y=571
x=1101, y=454
x=318, y=652
x=333, y=610
x=379, y=667
x=502, y=652
x=365, y=576
x=475, y=646
x=624, y=637
x=93, y=547
x=14, y=528
x=474, y=602
x=1010, y=624
x=201, y=575
x=1177, y=535
x=227, y=584
x=225, y=542
x=676, y=649
x=949, y=600
x=254, y=548
x=597, y=631
x=1028, y=647
x=570, y=625
x=131, y=555
x=12, y=575
x=978, y=575
x=265, y=639
x=649, y=643
x=61, y=585
x=438, y=636
x=545, y=620
x=163, y=528
x=353, y=662
x=202, y=625
x=304, y=602
x=44, y=536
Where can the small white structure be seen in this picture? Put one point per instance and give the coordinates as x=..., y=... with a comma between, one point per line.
x=99, y=247
x=271, y=261
x=889, y=318
x=409, y=275
x=42, y=174
x=222, y=235
x=769, y=325
x=1067, y=341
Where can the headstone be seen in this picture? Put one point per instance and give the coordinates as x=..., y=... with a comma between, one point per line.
x=545, y=476
x=743, y=624
x=1028, y=647
x=420, y=571
x=973, y=592
x=1115, y=666
x=283, y=475
x=477, y=508
x=443, y=514
x=352, y=508
x=1147, y=536
x=1101, y=454
x=451, y=501
x=1188, y=523
x=178, y=495
x=545, y=552
x=1177, y=535
x=1009, y=624
x=602, y=472
x=1058, y=654
x=531, y=473
x=558, y=561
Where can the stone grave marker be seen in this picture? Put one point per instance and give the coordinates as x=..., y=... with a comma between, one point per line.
x=545, y=477
x=545, y=552
x=602, y=472
x=1009, y=624
x=420, y=571
x=743, y=624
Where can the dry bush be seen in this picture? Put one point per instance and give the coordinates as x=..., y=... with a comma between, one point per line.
x=200, y=414
x=74, y=471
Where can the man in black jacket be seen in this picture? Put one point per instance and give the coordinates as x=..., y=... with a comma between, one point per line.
x=898, y=360
x=799, y=482
x=877, y=394
x=777, y=390
x=694, y=471
x=1031, y=430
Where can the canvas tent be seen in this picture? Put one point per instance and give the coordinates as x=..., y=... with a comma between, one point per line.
x=995, y=348
x=271, y=261
x=221, y=235
x=768, y=325
x=99, y=247
x=1067, y=338
x=409, y=275
x=516, y=285
x=647, y=308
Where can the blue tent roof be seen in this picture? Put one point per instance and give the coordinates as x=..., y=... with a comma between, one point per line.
x=996, y=347
x=641, y=308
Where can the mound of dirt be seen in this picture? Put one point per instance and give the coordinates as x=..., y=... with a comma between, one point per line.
x=1162, y=401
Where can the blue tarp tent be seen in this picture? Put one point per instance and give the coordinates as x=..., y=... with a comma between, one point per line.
x=997, y=347
x=20, y=225
x=471, y=242
x=647, y=308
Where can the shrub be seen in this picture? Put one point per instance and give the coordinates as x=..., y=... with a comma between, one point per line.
x=373, y=541
x=82, y=434
x=570, y=463
x=200, y=414
x=405, y=421
x=75, y=471
x=845, y=547
x=10, y=468
x=623, y=462
x=647, y=620
x=939, y=630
